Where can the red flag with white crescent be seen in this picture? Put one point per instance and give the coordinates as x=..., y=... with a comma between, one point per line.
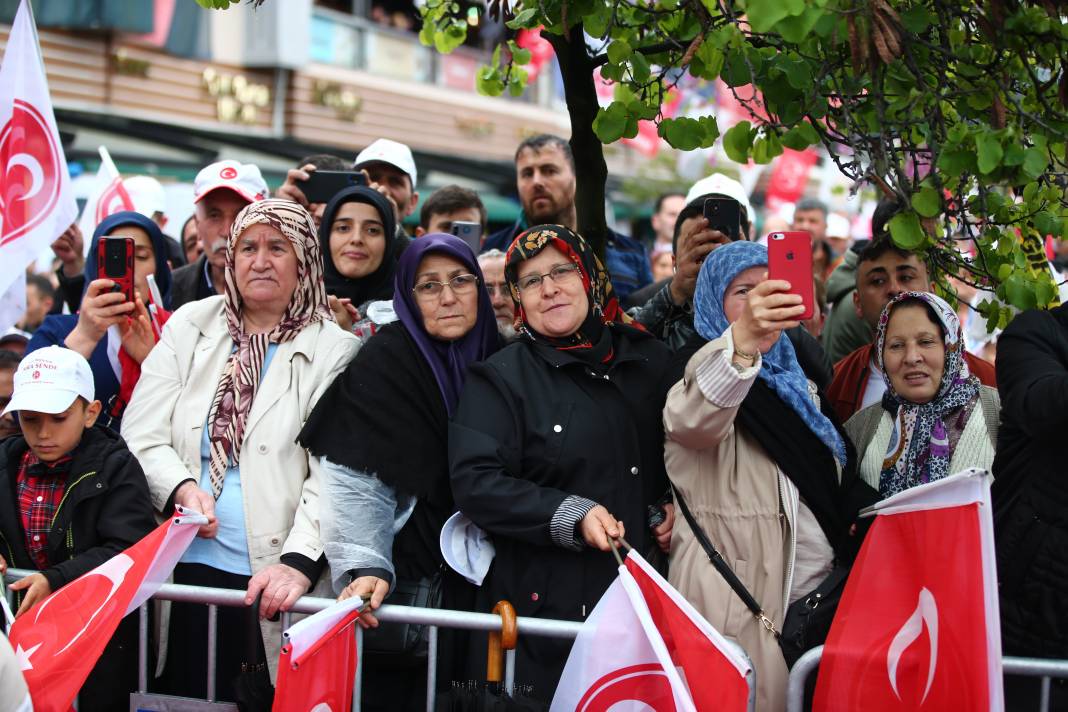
x=917, y=627
x=317, y=663
x=644, y=647
x=36, y=201
x=109, y=196
x=59, y=640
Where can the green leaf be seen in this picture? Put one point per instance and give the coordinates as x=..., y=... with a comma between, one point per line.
x=1045, y=290
x=737, y=142
x=611, y=122
x=683, y=133
x=801, y=137
x=707, y=62
x=521, y=55
x=906, y=231
x=639, y=67
x=618, y=51
x=798, y=27
x=954, y=163
x=927, y=202
x=1020, y=291
x=1035, y=162
x=735, y=70
x=767, y=147
x=522, y=19
x=989, y=152
x=917, y=19
x=765, y=14
x=488, y=81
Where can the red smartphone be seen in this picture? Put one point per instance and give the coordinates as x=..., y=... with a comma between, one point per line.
x=115, y=261
x=790, y=258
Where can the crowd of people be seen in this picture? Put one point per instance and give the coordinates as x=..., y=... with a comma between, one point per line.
x=363, y=413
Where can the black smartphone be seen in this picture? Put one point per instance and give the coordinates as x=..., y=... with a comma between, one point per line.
x=469, y=232
x=114, y=261
x=324, y=185
x=725, y=215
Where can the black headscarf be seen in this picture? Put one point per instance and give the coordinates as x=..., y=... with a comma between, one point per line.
x=378, y=284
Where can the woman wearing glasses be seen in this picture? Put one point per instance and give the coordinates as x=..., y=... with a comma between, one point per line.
x=557, y=444
x=381, y=432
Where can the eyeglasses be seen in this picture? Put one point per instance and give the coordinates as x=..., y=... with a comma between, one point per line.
x=460, y=284
x=558, y=274
x=498, y=288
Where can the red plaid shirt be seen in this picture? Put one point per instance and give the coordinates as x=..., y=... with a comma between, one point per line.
x=40, y=489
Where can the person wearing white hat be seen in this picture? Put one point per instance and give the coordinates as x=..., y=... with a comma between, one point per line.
x=150, y=200
x=77, y=497
x=220, y=192
x=669, y=313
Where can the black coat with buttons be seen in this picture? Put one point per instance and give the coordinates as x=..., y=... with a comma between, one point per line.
x=105, y=507
x=534, y=425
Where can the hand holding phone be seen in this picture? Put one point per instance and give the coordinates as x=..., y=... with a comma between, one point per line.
x=790, y=259
x=724, y=215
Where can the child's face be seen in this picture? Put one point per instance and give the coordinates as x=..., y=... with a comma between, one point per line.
x=53, y=435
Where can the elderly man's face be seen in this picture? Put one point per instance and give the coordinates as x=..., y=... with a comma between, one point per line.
x=813, y=221
x=503, y=306
x=215, y=216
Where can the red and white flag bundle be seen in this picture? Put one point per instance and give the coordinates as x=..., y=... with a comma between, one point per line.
x=59, y=640
x=36, y=201
x=645, y=646
x=109, y=196
x=917, y=627
x=318, y=661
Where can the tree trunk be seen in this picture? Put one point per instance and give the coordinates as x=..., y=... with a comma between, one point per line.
x=590, y=169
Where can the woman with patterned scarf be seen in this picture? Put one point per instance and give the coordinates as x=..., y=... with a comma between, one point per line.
x=214, y=420
x=556, y=446
x=935, y=418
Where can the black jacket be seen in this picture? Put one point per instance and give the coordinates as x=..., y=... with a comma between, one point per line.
x=1030, y=490
x=188, y=284
x=105, y=508
x=533, y=426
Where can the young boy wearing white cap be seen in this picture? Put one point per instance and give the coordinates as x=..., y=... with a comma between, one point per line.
x=71, y=497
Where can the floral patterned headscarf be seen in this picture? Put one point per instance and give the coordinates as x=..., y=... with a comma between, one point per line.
x=241, y=376
x=919, y=449
x=604, y=306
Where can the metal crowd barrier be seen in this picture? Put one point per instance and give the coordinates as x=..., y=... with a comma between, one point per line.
x=1029, y=667
x=432, y=617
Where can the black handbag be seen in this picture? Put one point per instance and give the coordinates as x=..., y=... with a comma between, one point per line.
x=406, y=642
x=253, y=691
x=808, y=619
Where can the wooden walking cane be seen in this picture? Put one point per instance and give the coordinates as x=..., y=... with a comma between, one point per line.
x=499, y=641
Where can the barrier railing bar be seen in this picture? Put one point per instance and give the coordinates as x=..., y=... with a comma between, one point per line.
x=213, y=620
x=509, y=671
x=142, y=649
x=431, y=666
x=1043, y=668
x=287, y=620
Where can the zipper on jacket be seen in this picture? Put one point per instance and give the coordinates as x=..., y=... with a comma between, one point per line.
x=66, y=494
x=789, y=583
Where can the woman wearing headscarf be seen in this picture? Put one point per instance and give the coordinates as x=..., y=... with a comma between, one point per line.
x=224, y=395
x=358, y=234
x=935, y=418
x=381, y=431
x=759, y=459
x=556, y=447
x=109, y=331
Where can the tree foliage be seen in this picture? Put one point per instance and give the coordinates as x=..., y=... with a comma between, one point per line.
x=954, y=108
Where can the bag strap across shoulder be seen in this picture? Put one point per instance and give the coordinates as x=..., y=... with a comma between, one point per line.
x=723, y=567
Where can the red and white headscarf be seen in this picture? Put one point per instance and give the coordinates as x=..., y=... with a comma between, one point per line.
x=241, y=376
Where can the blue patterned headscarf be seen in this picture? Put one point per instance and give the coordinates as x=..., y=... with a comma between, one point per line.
x=779, y=368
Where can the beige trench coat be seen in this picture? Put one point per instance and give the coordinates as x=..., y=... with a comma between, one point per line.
x=165, y=419
x=736, y=494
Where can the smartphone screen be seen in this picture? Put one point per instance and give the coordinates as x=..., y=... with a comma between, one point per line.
x=790, y=258
x=321, y=186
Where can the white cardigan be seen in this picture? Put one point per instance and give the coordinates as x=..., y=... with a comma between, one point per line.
x=164, y=422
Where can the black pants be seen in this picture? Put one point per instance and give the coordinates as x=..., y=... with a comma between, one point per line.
x=239, y=638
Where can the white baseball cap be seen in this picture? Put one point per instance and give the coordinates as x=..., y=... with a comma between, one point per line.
x=721, y=184
x=147, y=195
x=386, y=151
x=242, y=178
x=50, y=379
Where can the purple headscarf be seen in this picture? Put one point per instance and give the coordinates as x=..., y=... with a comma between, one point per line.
x=447, y=359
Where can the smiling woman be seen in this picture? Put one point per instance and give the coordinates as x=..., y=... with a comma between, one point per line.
x=936, y=418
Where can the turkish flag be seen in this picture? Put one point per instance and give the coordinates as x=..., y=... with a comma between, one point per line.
x=59, y=640
x=108, y=197
x=644, y=646
x=318, y=661
x=917, y=627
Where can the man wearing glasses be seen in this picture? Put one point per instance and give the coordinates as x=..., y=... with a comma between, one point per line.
x=492, y=264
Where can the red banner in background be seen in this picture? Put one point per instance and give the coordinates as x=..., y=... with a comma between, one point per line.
x=789, y=176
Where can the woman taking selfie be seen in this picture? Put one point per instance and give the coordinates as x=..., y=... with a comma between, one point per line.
x=935, y=418
x=556, y=447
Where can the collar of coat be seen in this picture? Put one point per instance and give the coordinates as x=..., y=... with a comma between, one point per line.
x=211, y=322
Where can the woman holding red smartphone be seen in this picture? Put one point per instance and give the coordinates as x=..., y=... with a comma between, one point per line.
x=107, y=322
x=759, y=460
